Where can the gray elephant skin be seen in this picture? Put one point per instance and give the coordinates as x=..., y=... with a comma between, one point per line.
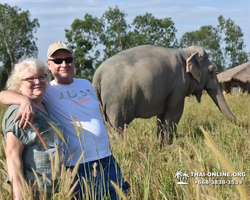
x=149, y=80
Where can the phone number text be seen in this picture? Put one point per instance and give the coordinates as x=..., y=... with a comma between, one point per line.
x=218, y=182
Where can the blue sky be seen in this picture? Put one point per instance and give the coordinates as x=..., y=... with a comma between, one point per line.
x=56, y=15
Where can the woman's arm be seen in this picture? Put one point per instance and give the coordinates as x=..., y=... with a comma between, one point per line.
x=14, y=150
x=27, y=109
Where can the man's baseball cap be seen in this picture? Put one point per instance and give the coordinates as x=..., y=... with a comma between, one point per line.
x=58, y=45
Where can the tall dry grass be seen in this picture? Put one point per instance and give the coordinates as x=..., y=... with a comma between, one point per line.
x=150, y=169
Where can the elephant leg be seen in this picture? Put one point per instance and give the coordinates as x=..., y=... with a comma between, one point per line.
x=165, y=129
x=118, y=118
x=167, y=123
x=171, y=120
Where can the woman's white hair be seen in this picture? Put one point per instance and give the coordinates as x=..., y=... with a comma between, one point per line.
x=32, y=64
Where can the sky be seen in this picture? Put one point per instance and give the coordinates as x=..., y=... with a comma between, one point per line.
x=55, y=16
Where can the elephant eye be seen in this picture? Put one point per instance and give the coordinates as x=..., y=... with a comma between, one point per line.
x=210, y=68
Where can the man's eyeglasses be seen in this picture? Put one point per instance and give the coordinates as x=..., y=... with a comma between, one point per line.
x=32, y=80
x=60, y=60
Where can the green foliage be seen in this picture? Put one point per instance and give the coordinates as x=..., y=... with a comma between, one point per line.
x=222, y=43
x=150, y=30
x=114, y=36
x=88, y=34
x=209, y=38
x=83, y=38
x=234, y=48
x=16, y=37
x=112, y=33
x=3, y=77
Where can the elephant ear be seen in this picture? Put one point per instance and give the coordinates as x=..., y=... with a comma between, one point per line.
x=192, y=66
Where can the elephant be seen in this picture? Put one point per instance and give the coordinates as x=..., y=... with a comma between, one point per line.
x=150, y=80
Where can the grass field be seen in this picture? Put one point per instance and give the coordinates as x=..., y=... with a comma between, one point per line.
x=150, y=169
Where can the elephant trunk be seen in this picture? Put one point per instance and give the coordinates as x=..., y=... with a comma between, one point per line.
x=219, y=100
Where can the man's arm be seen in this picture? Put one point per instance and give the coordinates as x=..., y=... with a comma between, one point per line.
x=27, y=109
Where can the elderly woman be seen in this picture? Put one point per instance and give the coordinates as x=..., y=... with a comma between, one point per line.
x=29, y=149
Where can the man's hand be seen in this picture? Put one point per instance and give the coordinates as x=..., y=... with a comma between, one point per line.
x=26, y=113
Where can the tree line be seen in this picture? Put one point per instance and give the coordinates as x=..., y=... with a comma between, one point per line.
x=96, y=39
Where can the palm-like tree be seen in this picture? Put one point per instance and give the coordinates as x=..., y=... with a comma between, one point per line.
x=185, y=176
x=179, y=175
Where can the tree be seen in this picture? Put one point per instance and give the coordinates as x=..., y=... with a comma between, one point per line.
x=150, y=30
x=209, y=38
x=84, y=37
x=16, y=38
x=234, y=42
x=223, y=43
x=87, y=35
x=115, y=36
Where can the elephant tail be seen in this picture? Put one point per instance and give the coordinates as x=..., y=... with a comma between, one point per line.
x=102, y=107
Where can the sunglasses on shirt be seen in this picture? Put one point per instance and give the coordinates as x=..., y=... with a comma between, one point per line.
x=60, y=60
